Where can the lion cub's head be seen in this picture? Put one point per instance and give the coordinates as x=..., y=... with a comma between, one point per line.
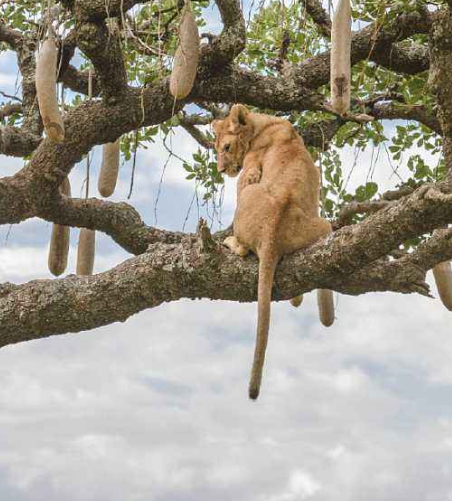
x=232, y=139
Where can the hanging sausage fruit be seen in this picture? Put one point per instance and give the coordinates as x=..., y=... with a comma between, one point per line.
x=340, y=57
x=185, y=62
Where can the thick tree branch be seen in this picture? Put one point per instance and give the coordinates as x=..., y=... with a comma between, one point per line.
x=439, y=77
x=354, y=247
x=395, y=111
x=88, y=124
x=105, y=52
x=319, y=15
x=352, y=260
x=320, y=134
x=32, y=122
x=373, y=42
x=298, y=90
x=77, y=81
x=224, y=48
x=17, y=142
x=244, y=86
x=118, y=220
x=409, y=59
x=10, y=36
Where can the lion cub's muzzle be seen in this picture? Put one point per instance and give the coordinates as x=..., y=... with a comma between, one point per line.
x=227, y=168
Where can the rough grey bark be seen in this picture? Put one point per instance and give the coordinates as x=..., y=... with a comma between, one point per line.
x=167, y=265
x=439, y=77
x=319, y=15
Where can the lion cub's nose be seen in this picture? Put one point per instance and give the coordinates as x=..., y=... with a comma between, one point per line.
x=220, y=165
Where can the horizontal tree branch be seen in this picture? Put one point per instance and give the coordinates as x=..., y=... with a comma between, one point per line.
x=374, y=42
x=9, y=35
x=89, y=124
x=369, y=206
x=248, y=87
x=118, y=220
x=352, y=261
x=395, y=111
x=351, y=209
x=409, y=59
x=17, y=142
x=77, y=81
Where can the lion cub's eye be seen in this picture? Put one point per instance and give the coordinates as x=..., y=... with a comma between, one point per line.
x=226, y=148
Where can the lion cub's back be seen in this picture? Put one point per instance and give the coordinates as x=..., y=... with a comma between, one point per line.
x=288, y=168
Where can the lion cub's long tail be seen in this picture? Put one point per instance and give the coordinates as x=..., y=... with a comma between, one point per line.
x=268, y=260
x=325, y=303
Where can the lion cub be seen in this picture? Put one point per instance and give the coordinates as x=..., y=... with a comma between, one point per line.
x=277, y=205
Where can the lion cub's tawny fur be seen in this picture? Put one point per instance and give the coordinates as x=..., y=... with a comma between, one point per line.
x=277, y=205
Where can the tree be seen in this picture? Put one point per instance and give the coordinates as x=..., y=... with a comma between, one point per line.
x=278, y=62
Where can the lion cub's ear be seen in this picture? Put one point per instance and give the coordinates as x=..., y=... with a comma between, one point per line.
x=238, y=115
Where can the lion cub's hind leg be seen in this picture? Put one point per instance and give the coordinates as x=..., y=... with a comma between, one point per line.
x=235, y=246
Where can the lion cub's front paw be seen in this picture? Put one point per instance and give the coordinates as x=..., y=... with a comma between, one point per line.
x=234, y=245
x=252, y=176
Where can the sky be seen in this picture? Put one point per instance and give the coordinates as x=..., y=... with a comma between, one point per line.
x=156, y=408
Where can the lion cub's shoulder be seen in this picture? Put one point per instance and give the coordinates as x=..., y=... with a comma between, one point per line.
x=272, y=131
x=285, y=132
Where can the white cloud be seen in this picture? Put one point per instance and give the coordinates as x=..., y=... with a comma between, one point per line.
x=160, y=412
x=301, y=486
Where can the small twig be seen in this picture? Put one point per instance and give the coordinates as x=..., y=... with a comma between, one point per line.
x=132, y=177
x=403, y=191
x=14, y=98
x=370, y=206
x=206, y=244
x=348, y=117
x=392, y=95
